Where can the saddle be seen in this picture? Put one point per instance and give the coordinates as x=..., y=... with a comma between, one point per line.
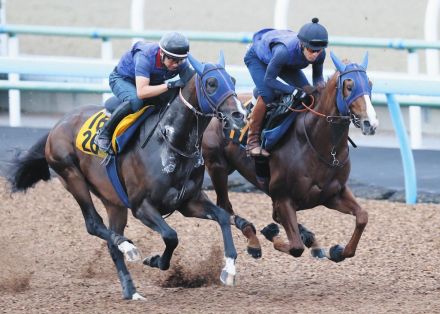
x=278, y=119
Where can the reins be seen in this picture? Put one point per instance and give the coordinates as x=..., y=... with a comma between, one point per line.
x=329, y=119
x=336, y=122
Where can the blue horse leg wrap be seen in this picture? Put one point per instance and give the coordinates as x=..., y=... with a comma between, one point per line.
x=128, y=288
x=241, y=223
x=307, y=236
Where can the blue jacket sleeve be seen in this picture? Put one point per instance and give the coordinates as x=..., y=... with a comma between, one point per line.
x=141, y=65
x=280, y=57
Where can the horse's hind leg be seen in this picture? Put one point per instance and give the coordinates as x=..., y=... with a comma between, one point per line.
x=117, y=217
x=154, y=220
x=205, y=209
x=347, y=204
x=218, y=173
x=75, y=183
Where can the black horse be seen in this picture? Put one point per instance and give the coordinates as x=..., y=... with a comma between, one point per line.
x=161, y=170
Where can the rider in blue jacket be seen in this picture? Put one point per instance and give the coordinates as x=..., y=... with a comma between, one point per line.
x=282, y=53
x=139, y=79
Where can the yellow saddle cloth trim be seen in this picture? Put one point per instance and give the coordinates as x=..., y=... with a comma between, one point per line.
x=125, y=124
x=85, y=140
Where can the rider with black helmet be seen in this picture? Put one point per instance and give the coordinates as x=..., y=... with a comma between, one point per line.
x=141, y=74
x=282, y=53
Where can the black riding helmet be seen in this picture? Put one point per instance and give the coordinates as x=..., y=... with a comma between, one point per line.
x=313, y=35
x=174, y=45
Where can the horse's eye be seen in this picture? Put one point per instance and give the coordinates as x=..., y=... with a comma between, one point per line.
x=211, y=85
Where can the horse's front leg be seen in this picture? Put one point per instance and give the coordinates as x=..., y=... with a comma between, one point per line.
x=117, y=217
x=218, y=172
x=151, y=217
x=346, y=203
x=203, y=208
x=286, y=215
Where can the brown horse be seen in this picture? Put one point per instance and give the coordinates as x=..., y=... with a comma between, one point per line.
x=161, y=170
x=310, y=164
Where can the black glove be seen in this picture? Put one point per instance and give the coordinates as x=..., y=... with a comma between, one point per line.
x=299, y=95
x=176, y=84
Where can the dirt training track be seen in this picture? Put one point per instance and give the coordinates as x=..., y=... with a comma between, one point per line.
x=49, y=263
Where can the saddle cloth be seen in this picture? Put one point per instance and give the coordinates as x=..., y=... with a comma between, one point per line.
x=121, y=136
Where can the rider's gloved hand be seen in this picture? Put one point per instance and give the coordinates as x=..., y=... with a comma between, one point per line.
x=299, y=95
x=175, y=84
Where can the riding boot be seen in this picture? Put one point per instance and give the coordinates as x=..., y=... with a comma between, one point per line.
x=103, y=138
x=253, y=147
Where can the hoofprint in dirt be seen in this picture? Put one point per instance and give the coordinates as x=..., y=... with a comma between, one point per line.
x=49, y=262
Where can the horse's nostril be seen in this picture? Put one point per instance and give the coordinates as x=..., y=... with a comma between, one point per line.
x=367, y=124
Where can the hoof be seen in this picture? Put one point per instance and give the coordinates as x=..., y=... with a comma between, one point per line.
x=254, y=252
x=227, y=279
x=318, y=253
x=296, y=252
x=270, y=231
x=131, y=252
x=152, y=261
x=307, y=236
x=137, y=296
x=336, y=253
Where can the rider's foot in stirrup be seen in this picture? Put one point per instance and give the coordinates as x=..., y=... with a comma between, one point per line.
x=103, y=143
x=258, y=151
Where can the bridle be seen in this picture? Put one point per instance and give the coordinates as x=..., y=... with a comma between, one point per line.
x=208, y=104
x=340, y=122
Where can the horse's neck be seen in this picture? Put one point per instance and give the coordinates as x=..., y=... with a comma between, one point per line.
x=319, y=129
x=184, y=128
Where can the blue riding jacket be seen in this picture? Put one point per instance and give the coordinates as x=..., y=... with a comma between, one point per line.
x=278, y=53
x=144, y=60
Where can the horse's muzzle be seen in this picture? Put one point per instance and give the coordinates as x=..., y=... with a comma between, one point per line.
x=367, y=128
x=236, y=120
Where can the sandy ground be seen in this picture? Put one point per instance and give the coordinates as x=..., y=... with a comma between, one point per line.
x=50, y=264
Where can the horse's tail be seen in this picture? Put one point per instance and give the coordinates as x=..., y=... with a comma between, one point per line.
x=28, y=168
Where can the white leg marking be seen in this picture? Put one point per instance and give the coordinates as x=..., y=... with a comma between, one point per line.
x=130, y=251
x=136, y=296
x=227, y=276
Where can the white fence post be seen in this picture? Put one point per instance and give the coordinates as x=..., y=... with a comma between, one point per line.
x=431, y=24
x=106, y=55
x=14, y=94
x=3, y=37
x=280, y=14
x=137, y=17
x=415, y=112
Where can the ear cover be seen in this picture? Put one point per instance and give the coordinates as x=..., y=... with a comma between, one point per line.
x=198, y=66
x=338, y=63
